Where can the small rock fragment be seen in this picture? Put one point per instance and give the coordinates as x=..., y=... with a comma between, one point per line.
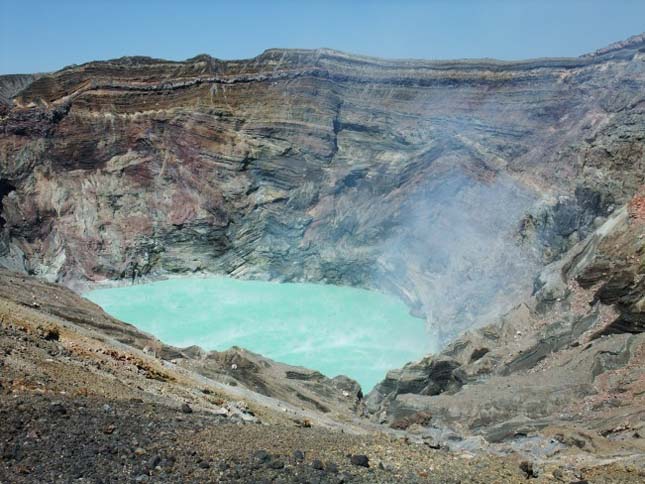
x=331, y=468
x=261, y=456
x=57, y=408
x=528, y=469
x=430, y=442
x=51, y=333
x=154, y=461
x=360, y=460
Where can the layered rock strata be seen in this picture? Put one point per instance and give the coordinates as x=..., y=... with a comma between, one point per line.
x=446, y=183
x=470, y=189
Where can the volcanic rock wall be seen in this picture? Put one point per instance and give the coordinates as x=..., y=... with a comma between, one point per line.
x=12, y=84
x=572, y=355
x=446, y=183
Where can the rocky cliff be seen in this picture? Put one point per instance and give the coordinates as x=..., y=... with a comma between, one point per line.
x=12, y=84
x=567, y=362
x=447, y=183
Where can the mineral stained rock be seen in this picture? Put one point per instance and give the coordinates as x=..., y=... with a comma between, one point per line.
x=446, y=183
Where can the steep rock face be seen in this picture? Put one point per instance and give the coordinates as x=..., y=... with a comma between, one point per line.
x=570, y=357
x=446, y=183
x=12, y=84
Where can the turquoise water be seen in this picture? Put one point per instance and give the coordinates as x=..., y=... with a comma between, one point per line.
x=335, y=330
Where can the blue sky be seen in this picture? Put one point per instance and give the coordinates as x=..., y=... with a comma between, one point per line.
x=47, y=35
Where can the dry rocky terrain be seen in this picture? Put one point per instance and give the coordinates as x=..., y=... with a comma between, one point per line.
x=78, y=405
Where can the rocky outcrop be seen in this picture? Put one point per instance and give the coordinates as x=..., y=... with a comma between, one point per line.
x=12, y=84
x=446, y=183
x=297, y=386
x=58, y=301
x=570, y=357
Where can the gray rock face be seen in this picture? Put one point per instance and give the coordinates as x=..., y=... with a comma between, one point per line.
x=295, y=385
x=446, y=183
x=12, y=84
x=569, y=357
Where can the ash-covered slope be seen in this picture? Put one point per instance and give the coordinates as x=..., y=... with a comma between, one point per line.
x=297, y=386
x=80, y=400
x=446, y=183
